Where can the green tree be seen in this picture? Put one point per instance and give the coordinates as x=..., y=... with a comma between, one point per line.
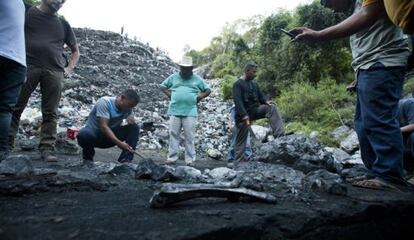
x=32, y=2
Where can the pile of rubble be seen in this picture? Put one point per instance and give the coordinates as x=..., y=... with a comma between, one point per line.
x=111, y=63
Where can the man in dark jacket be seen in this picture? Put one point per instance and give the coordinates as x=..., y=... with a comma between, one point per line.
x=251, y=105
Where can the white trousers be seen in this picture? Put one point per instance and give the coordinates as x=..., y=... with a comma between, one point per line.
x=188, y=124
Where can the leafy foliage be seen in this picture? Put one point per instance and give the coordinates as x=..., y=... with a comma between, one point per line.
x=322, y=107
x=227, y=86
x=32, y=2
x=308, y=81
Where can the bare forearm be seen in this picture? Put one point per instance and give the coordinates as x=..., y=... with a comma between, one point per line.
x=166, y=92
x=110, y=134
x=203, y=95
x=74, y=58
x=407, y=129
x=349, y=26
x=355, y=23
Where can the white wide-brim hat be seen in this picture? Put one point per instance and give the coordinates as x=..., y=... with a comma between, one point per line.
x=186, y=61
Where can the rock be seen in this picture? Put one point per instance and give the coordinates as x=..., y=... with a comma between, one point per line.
x=260, y=132
x=147, y=169
x=297, y=151
x=28, y=144
x=124, y=170
x=222, y=173
x=66, y=146
x=340, y=157
x=187, y=173
x=16, y=165
x=341, y=131
x=280, y=179
x=350, y=144
x=322, y=180
x=214, y=154
x=355, y=159
x=204, y=71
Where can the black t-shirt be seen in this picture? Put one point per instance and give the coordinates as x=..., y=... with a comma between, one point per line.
x=247, y=97
x=45, y=37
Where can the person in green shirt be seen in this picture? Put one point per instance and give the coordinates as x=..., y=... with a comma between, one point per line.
x=185, y=90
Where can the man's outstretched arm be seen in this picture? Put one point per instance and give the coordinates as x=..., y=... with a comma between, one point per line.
x=353, y=24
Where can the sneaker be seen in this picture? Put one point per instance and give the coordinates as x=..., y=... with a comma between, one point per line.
x=48, y=156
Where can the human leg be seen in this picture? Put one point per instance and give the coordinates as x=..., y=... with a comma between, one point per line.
x=87, y=140
x=189, y=127
x=409, y=153
x=230, y=151
x=379, y=90
x=129, y=134
x=241, y=139
x=33, y=76
x=12, y=76
x=174, y=142
x=272, y=114
x=367, y=153
x=51, y=89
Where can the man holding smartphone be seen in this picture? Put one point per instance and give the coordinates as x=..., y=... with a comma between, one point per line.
x=380, y=53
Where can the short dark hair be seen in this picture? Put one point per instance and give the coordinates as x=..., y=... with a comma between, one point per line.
x=250, y=65
x=131, y=94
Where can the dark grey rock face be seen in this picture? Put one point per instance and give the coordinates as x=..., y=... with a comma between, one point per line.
x=147, y=169
x=324, y=181
x=297, y=151
x=16, y=165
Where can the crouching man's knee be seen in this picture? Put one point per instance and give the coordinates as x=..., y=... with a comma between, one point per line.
x=85, y=137
x=133, y=129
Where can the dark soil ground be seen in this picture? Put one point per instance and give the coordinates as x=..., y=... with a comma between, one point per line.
x=122, y=211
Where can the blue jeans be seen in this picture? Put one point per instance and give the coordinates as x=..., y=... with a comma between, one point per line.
x=377, y=121
x=230, y=153
x=12, y=76
x=88, y=139
x=409, y=152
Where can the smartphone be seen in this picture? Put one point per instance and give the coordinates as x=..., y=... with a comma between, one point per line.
x=291, y=35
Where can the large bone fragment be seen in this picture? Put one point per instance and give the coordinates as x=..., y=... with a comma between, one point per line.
x=174, y=193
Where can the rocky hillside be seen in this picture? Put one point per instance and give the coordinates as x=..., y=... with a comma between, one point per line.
x=111, y=63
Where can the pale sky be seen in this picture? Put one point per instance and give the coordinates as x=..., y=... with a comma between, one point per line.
x=168, y=24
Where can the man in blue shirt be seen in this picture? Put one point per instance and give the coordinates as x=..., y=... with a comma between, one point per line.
x=105, y=127
x=185, y=90
x=12, y=65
